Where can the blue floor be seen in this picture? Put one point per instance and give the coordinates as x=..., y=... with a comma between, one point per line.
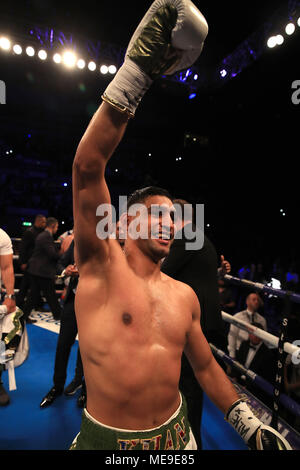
x=24, y=426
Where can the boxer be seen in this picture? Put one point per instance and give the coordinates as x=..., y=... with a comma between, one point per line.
x=134, y=321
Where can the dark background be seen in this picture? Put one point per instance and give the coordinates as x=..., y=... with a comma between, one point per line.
x=243, y=166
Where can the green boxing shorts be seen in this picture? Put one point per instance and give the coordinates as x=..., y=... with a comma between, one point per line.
x=174, y=434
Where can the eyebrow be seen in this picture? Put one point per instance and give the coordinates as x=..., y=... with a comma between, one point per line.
x=170, y=210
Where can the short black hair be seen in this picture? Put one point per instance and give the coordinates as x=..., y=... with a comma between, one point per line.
x=39, y=217
x=187, y=209
x=140, y=195
x=51, y=221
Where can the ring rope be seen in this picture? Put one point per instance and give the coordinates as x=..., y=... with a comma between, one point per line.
x=263, y=384
x=268, y=338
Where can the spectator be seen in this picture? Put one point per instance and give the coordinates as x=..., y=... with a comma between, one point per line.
x=250, y=315
x=256, y=356
x=42, y=270
x=226, y=299
x=66, y=338
x=8, y=277
x=260, y=275
x=65, y=240
x=26, y=251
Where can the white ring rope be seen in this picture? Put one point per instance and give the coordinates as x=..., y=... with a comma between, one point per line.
x=262, y=334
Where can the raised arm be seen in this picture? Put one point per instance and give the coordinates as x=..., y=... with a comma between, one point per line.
x=97, y=145
x=170, y=37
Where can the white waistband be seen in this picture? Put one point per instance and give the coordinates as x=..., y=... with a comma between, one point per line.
x=87, y=414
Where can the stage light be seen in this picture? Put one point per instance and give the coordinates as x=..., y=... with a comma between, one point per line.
x=5, y=43
x=290, y=29
x=103, y=69
x=272, y=42
x=112, y=69
x=195, y=77
x=279, y=39
x=92, y=66
x=69, y=59
x=17, y=49
x=298, y=22
x=30, y=51
x=192, y=96
x=81, y=64
x=42, y=54
x=57, y=58
x=223, y=73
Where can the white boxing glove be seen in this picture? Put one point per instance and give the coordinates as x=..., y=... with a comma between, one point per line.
x=255, y=434
x=169, y=38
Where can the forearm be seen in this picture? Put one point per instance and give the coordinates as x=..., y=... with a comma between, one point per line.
x=101, y=138
x=8, y=278
x=217, y=386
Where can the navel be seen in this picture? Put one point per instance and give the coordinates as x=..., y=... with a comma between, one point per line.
x=127, y=318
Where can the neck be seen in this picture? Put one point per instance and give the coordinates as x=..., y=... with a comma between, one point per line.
x=49, y=230
x=142, y=264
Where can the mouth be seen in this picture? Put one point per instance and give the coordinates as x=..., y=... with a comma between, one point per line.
x=162, y=239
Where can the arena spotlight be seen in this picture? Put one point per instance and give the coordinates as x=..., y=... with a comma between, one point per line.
x=290, y=29
x=42, y=54
x=103, y=69
x=69, y=59
x=5, y=43
x=279, y=39
x=81, y=64
x=30, y=51
x=57, y=58
x=223, y=73
x=272, y=42
x=17, y=49
x=192, y=96
x=112, y=69
x=92, y=66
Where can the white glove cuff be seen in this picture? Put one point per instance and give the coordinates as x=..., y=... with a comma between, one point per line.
x=243, y=420
x=127, y=88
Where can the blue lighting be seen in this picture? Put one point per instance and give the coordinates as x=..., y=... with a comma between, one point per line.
x=65, y=184
x=195, y=77
x=223, y=73
x=192, y=96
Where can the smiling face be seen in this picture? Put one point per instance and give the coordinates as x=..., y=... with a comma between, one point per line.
x=155, y=225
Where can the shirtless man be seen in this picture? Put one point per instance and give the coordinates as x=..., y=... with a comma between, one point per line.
x=134, y=321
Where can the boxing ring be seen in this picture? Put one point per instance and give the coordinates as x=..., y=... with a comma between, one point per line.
x=274, y=390
x=280, y=399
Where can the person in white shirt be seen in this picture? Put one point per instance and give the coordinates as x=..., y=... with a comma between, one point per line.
x=250, y=315
x=8, y=278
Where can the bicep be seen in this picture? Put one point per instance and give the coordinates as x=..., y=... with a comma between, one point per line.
x=6, y=262
x=89, y=191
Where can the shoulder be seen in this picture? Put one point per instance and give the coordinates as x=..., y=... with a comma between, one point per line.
x=5, y=243
x=240, y=314
x=183, y=290
x=261, y=318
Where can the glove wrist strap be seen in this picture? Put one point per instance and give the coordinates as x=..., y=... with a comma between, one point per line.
x=127, y=88
x=243, y=420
